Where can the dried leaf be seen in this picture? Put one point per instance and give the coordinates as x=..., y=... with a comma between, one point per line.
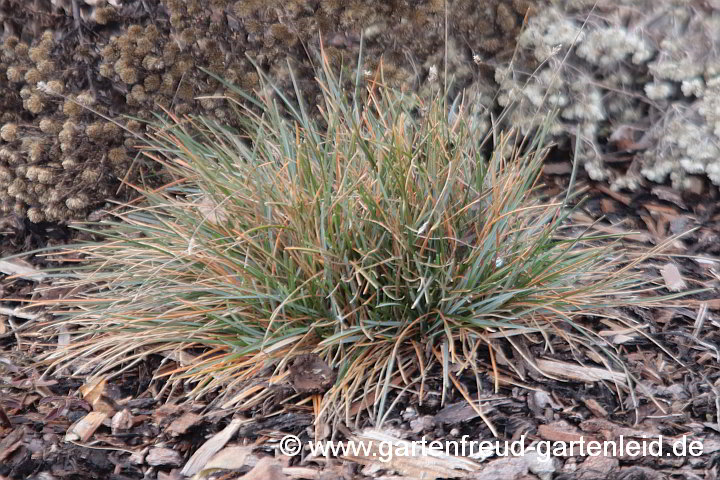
x=213, y=212
x=310, y=374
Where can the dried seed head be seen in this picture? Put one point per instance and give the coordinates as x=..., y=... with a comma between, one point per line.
x=71, y=108
x=54, y=212
x=185, y=91
x=39, y=53
x=17, y=187
x=77, y=202
x=67, y=133
x=94, y=131
x=127, y=74
x=151, y=83
x=10, y=156
x=133, y=125
x=69, y=163
x=170, y=52
x=134, y=31
x=55, y=87
x=153, y=63
x=34, y=104
x=117, y=156
x=8, y=132
x=45, y=176
x=35, y=151
x=168, y=83
x=21, y=49
x=35, y=215
x=143, y=46
x=6, y=176
x=90, y=175
x=86, y=99
x=106, y=70
x=10, y=42
x=111, y=130
x=32, y=173
x=104, y=15
x=49, y=126
x=33, y=76
x=46, y=67
x=138, y=93
x=151, y=33
x=15, y=74
x=54, y=196
x=47, y=37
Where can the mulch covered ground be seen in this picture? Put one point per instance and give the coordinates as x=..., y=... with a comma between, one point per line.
x=131, y=426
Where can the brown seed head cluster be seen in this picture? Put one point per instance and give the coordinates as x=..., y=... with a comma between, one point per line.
x=58, y=157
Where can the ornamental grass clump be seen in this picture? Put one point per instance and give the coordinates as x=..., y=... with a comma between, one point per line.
x=372, y=232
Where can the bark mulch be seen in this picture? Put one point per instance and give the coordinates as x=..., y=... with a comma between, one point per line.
x=130, y=426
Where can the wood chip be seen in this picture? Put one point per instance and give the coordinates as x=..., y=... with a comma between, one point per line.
x=229, y=458
x=557, y=168
x=122, y=420
x=17, y=267
x=84, y=428
x=158, y=456
x=11, y=442
x=507, y=468
x=573, y=371
x=596, y=466
x=673, y=280
x=456, y=413
x=182, y=424
x=561, y=432
x=607, y=206
x=595, y=407
x=17, y=312
x=266, y=469
x=211, y=447
x=669, y=195
x=94, y=393
x=431, y=465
